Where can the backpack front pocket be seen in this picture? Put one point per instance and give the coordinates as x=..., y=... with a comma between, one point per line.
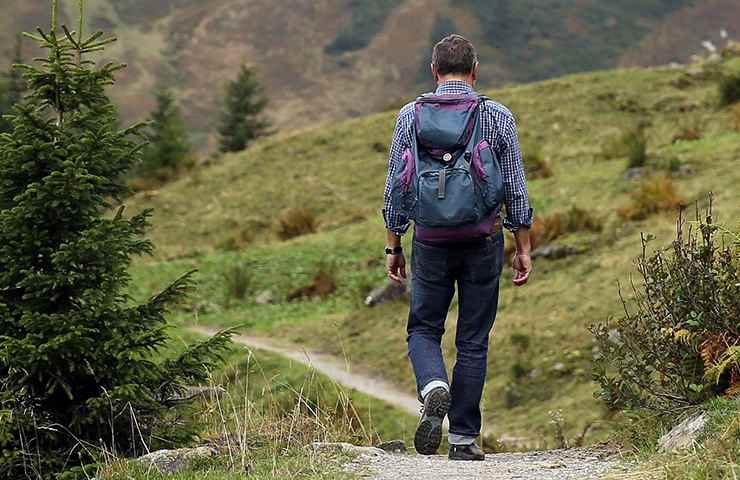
x=447, y=197
x=488, y=172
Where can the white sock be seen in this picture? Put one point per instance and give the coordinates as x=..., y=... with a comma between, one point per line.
x=432, y=385
x=455, y=439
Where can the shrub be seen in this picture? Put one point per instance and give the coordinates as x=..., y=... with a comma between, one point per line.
x=678, y=342
x=535, y=164
x=736, y=116
x=729, y=89
x=636, y=149
x=295, y=222
x=687, y=134
x=655, y=194
x=547, y=229
x=571, y=221
x=237, y=282
x=632, y=145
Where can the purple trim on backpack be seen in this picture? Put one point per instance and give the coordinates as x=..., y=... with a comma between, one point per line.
x=409, y=168
x=453, y=234
x=477, y=162
x=448, y=98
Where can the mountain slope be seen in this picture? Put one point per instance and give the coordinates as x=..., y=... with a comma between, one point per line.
x=328, y=59
x=541, y=349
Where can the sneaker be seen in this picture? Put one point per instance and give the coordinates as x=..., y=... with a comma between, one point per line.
x=466, y=452
x=429, y=431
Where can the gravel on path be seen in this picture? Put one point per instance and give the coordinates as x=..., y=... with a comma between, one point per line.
x=573, y=464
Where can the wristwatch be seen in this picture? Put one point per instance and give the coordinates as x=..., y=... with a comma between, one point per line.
x=394, y=251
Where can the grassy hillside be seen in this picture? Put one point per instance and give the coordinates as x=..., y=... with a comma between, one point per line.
x=221, y=220
x=374, y=50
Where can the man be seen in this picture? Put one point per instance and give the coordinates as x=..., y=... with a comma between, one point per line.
x=474, y=264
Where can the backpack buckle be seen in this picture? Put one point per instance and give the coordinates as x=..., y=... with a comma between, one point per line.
x=447, y=157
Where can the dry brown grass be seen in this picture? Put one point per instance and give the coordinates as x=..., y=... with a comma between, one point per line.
x=687, y=134
x=536, y=165
x=295, y=222
x=654, y=195
x=547, y=229
x=736, y=116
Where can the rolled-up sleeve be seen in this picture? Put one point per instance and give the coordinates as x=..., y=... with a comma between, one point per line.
x=516, y=198
x=394, y=221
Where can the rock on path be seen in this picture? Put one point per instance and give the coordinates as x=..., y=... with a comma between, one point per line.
x=575, y=464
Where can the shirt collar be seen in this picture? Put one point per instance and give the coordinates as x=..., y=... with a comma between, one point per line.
x=453, y=87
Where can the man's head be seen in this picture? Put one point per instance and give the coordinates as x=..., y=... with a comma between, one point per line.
x=454, y=58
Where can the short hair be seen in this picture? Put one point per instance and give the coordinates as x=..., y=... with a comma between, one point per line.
x=454, y=54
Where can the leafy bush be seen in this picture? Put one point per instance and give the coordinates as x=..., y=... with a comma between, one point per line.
x=655, y=194
x=77, y=358
x=729, y=89
x=678, y=342
x=295, y=222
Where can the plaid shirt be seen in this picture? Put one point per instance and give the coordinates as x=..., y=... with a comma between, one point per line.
x=499, y=128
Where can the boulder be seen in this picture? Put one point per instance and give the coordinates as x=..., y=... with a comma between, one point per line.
x=347, y=448
x=172, y=461
x=394, y=446
x=388, y=292
x=264, y=297
x=635, y=173
x=683, y=435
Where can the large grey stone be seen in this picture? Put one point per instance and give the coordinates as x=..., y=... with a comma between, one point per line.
x=172, y=461
x=393, y=446
x=265, y=297
x=388, y=292
x=348, y=448
x=683, y=435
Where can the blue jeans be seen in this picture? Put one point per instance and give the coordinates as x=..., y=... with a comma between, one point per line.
x=476, y=268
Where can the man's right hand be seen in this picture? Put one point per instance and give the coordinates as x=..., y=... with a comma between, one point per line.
x=396, y=267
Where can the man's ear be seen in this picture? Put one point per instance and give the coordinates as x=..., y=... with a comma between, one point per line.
x=474, y=73
x=435, y=75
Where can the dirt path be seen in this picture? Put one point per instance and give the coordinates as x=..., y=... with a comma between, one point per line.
x=575, y=464
x=332, y=367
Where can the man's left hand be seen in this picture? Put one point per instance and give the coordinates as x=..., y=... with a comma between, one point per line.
x=522, y=266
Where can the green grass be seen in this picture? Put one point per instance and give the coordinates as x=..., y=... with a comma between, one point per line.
x=271, y=410
x=338, y=173
x=716, y=456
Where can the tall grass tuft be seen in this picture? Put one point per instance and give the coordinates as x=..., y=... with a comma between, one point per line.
x=295, y=222
x=237, y=282
x=729, y=89
x=536, y=165
x=654, y=195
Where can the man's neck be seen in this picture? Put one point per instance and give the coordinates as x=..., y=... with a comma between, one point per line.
x=449, y=78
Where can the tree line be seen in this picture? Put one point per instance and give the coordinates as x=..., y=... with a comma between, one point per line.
x=168, y=146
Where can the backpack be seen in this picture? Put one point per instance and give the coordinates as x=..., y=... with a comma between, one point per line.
x=449, y=181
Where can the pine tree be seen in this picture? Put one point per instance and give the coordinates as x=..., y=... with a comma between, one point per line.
x=12, y=87
x=241, y=120
x=78, y=359
x=168, y=147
